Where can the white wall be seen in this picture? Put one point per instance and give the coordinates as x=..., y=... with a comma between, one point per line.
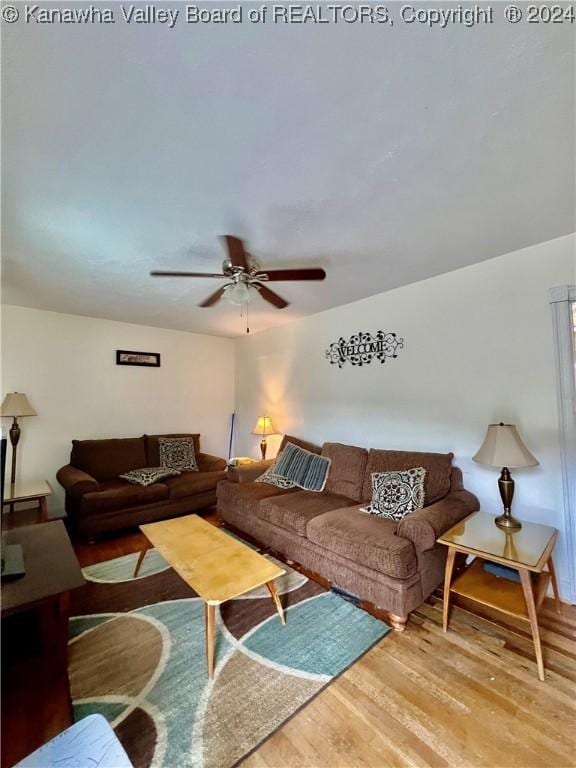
x=478, y=349
x=66, y=364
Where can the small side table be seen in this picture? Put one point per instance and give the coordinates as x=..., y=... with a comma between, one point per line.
x=29, y=490
x=527, y=550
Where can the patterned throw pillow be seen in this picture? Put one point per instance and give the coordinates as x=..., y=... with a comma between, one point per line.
x=272, y=478
x=178, y=453
x=149, y=475
x=306, y=470
x=396, y=494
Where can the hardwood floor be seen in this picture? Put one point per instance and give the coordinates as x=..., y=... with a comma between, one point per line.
x=466, y=699
x=423, y=698
x=108, y=549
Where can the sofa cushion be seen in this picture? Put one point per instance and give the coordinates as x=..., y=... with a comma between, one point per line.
x=153, y=446
x=106, y=459
x=365, y=539
x=208, y=463
x=347, y=470
x=118, y=494
x=302, y=443
x=246, y=497
x=293, y=512
x=190, y=483
x=438, y=468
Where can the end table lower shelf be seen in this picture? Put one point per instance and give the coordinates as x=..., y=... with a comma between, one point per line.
x=504, y=595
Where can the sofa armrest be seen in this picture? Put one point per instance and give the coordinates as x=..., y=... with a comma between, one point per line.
x=208, y=463
x=425, y=525
x=247, y=473
x=76, y=482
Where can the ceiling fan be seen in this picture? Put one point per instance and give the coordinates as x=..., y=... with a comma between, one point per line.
x=245, y=276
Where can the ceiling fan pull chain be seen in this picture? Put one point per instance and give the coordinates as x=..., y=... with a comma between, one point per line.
x=247, y=318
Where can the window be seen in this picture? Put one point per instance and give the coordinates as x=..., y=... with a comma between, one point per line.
x=563, y=306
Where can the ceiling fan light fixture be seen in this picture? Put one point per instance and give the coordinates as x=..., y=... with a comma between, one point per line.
x=239, y=293
x=245, y=276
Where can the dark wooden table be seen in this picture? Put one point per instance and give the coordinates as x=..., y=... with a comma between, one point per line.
x=35, y=639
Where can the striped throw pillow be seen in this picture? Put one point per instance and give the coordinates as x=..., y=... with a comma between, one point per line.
x=306, y=470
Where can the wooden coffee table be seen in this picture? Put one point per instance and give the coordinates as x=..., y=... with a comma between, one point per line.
x=527, y=550
x=217, y=566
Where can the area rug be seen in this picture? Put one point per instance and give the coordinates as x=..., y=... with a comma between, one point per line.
x=137, y=656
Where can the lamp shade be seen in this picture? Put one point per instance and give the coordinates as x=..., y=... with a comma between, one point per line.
x=264, y=426
x=16, y=404
x=503, y=447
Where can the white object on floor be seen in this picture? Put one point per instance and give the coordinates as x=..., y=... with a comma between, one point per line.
x=89, y=742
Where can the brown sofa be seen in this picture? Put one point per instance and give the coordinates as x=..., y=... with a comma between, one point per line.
x=394, y=565
x=98, y=501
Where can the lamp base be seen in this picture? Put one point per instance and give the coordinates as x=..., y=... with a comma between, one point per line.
x=507, y=522
x=14, y=439
x=263, y=448
x=506, y=488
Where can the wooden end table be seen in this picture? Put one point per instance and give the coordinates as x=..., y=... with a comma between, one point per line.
x=29, y=490
x=527, y=550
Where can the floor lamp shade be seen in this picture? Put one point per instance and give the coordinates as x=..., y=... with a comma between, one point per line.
x=264, y=427
x=15, y=405
x=503, y=447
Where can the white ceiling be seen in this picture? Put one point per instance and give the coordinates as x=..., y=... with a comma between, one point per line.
x=384, y=154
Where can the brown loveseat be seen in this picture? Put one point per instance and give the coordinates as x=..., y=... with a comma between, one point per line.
x=98, y=501
x=394, y=565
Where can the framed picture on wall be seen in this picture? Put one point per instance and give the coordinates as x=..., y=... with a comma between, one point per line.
x=146, y=359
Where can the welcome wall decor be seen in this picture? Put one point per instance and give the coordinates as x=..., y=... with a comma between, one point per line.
x=362, y=348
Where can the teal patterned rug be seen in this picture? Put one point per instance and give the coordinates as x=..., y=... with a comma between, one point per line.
x=137, y=657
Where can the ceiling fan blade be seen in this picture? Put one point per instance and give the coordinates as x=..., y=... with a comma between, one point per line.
x=213, y=298
x=236, y=251
x=160, y=273
x=292, y=274
x=271, y=296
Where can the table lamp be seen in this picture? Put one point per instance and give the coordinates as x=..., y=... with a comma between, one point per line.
x=264, y=427
x=15, y=404
x=503, y=447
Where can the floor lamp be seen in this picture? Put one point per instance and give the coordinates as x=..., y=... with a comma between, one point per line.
x=15, y=405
